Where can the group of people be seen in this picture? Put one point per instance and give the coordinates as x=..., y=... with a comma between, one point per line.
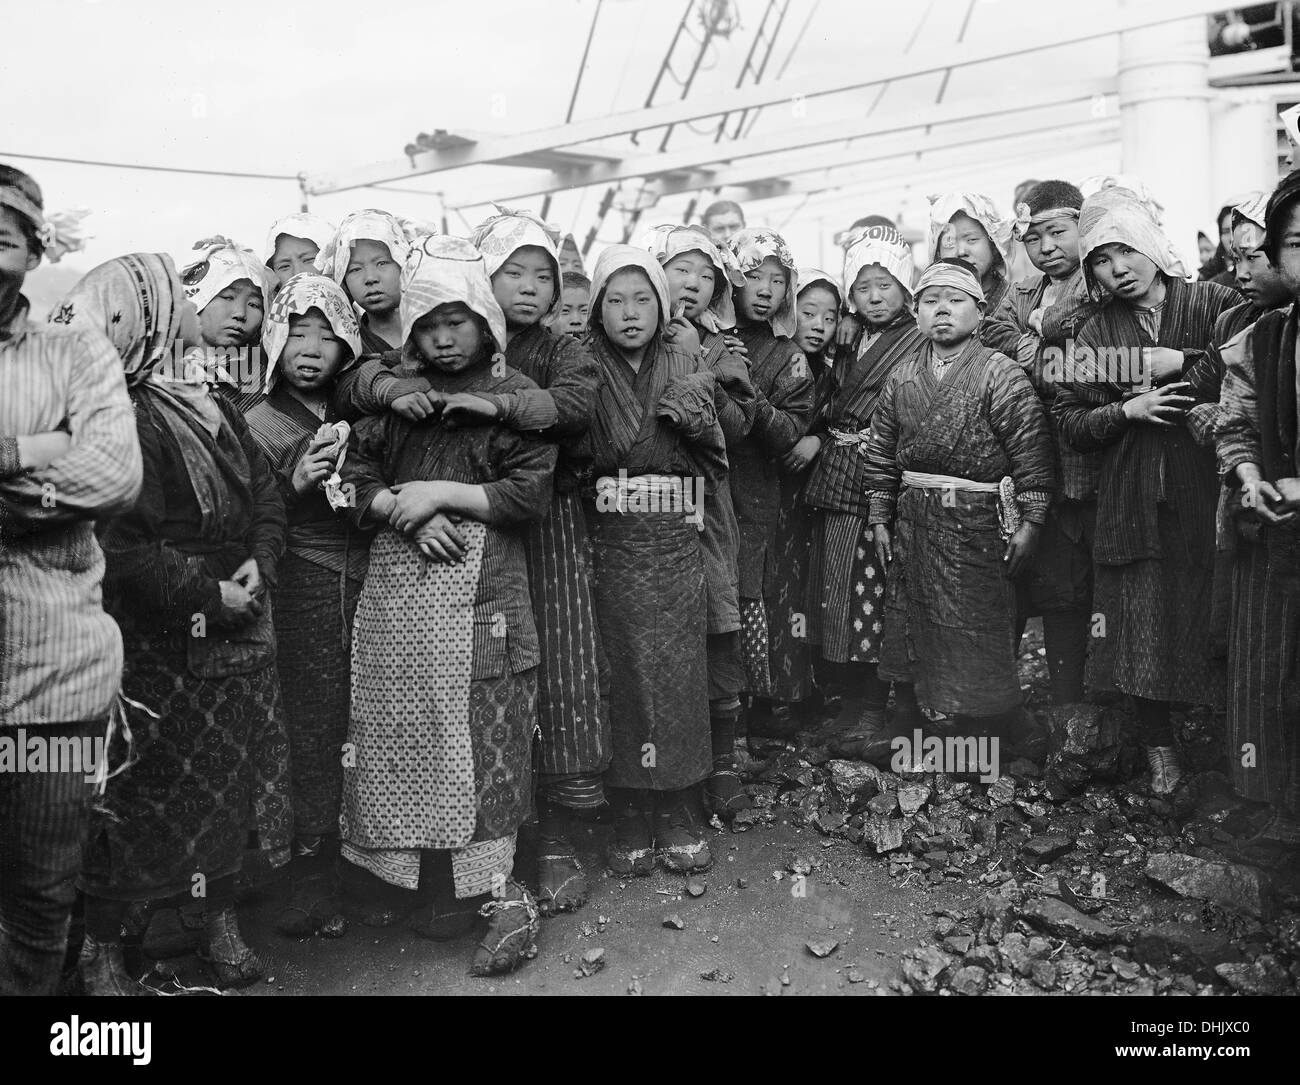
x=366, y=551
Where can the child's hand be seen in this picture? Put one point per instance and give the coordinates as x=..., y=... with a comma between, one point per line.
x=415, y=504
x=316, y=464
x=884, y=544
x=801, y=456
x=1021, y=548
x=682, y=334
x=1163, y=406
x=1161, y=362
x=440, y=541
x=417, y=406
x=844, y=333
x=39, y=450
x=467, y=407
x=735, y=344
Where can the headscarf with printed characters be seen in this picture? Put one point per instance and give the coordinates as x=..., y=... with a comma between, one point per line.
x=441, y=270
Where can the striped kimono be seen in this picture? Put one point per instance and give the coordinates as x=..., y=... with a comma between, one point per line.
x=846, y=585
x=1153, y=552
x=648, y=555
x=950, y=610
x=774, y=533
x=574, y=723
x=321, y=574
x=1259, y=425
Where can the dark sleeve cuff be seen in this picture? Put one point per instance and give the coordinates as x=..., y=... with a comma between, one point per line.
x=1034, y=505
x=531, y=409
x=10, y=464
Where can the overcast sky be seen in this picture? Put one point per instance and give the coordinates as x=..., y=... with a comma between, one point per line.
x=271, y=87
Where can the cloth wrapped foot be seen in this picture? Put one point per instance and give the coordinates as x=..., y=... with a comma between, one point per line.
x=234, y=962
x=561, y=883
x=680, y=832
x=315, y=906
x=723, y=791
x=514, y=921
x=102, y=971
x=631, y=853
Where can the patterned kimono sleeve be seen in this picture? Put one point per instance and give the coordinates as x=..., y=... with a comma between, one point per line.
x=783, y=417
x=882, y=473
x=266, y=533
x=526, y=469
x=1088, y=412
x=1237, y=440
x=99, y=476
x=140, y=564
x=1019, y=422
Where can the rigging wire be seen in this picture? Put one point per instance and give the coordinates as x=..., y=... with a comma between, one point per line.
x=152, y=169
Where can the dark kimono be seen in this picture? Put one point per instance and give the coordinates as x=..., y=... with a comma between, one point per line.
x=210, y=743
x=1259, y=425
x=1153, y=553
x=319, y=583
x=1061, y=576
x=846, y=585
x=574, y=723
x=950, y=609
x=775, y=532
x=444, y=656
x=648, y=557
x=735, y=404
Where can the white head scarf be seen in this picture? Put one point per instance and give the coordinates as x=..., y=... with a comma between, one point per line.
x=1117, y=215
x=668, y=241
x=882, y=245
x=1135, y=186
x=1251, y=209
x=223, y=262
x=811, y=276
x=941, y=274
x=507, y=230
x=367, y=225
x=303, y=292
x=750, y=248
x=310, y=227
x=613, y=260
x=944, y=208
x=441, y=270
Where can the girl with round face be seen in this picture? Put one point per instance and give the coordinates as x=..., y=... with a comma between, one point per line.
x=525, y=286
x=1124, y=272
x=877, y=296
x=373, y=280
x=293, y=256
x=972, y=243
x=818, y=310
x=764, y=290
x=692, y=282
x=947, y=317
x=451, y=338
x=234, y=317
x=313, y=355
x=629, y=313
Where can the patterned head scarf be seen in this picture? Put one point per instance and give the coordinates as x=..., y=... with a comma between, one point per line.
x=1251, y=210
x=222, y=263
x=367, y=225
x=1117, y=215
x=960, y=278
x=811, y=276
x=507, y=230
x=944, y=208
x=666, y=242
x=137, y=301
x=616, y=258
x=569, y=247
x=303, y=292
x=750, y=248
x=882, y=245
x=309, y=227
x=441, y=270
